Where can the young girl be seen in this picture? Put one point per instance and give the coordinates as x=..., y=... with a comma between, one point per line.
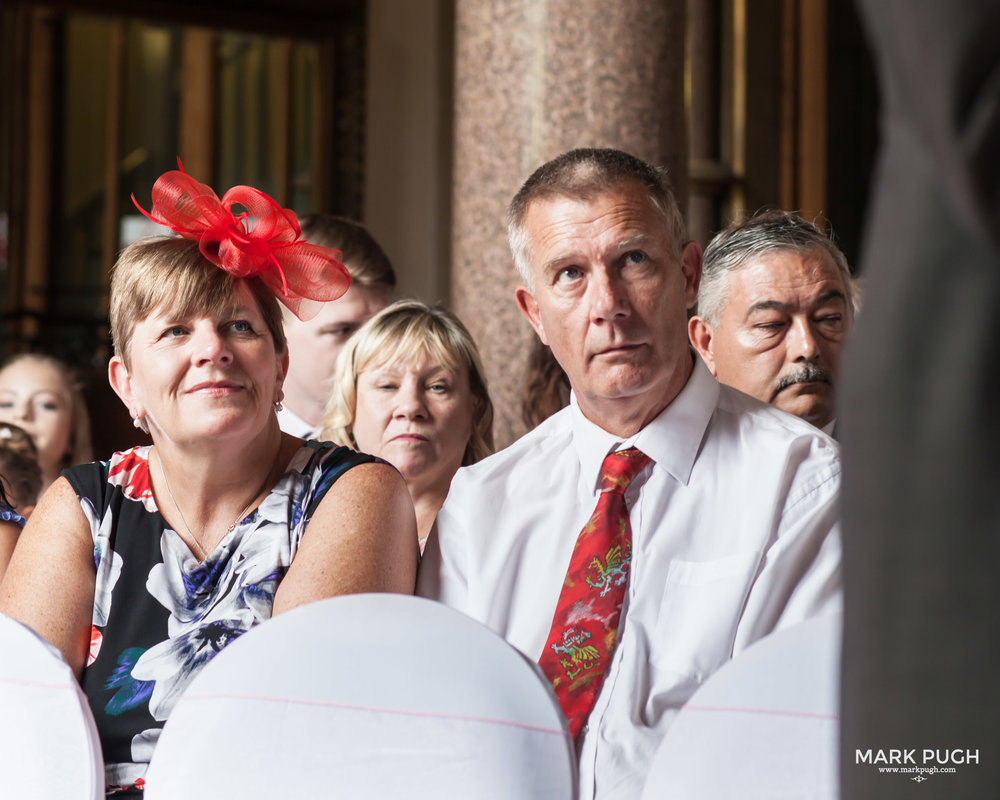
x=38, y=394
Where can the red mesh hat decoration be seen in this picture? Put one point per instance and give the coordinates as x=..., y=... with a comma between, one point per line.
x=264, y=240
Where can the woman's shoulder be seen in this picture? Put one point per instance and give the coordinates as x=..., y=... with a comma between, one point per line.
x=325, y=457
x=123, y=462
x=127, y=470
x=319, y=465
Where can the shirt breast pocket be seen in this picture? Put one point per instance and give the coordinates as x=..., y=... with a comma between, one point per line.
x=700, y=611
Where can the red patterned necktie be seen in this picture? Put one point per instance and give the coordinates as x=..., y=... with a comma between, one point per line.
x=585, y=625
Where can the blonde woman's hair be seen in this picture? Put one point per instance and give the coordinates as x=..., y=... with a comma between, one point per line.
x=171, y=272
x=402, y=332
x=80, y=449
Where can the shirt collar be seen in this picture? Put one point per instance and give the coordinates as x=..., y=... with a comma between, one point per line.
x=293, y=424
x=672, y=439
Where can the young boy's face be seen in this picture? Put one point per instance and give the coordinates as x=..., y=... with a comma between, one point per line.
x=313, y=347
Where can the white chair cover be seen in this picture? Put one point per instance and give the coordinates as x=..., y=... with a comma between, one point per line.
x=764, y=727
x=49, y=746
x=366, y=696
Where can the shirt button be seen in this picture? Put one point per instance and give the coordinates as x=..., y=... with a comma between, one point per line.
x=585, y=729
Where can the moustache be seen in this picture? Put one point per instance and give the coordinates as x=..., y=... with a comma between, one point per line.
x=807, y=373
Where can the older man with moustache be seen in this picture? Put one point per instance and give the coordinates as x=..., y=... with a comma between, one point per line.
x=774, y=307
x=716, y=516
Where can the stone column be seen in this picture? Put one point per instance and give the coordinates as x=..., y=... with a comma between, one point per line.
x=534, y=78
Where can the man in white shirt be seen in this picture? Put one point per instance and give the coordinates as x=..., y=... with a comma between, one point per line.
x=734, y=523
x=313, y=344
x=774, y=308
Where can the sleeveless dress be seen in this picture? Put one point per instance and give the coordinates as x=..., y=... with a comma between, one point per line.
x=159, y=615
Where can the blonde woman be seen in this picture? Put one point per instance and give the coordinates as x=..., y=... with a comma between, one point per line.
x=409, y=388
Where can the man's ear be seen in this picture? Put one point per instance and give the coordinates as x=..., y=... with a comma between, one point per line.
x=529, y=307
x=691, y=267
x=701, y=335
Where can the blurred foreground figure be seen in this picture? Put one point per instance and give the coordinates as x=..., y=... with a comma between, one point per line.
x=920, y=426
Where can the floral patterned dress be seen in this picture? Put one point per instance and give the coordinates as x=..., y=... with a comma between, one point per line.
x=8, y=514
x=159, y=614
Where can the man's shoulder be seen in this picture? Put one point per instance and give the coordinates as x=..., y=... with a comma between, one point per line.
x=551, y=436
x=520, y=469
x=765, y=420
x=765, y=444
x=753, y=438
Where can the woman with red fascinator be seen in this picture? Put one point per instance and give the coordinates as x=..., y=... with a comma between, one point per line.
x=141, y=568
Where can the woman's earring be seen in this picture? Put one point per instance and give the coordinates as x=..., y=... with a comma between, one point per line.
x=277, y=406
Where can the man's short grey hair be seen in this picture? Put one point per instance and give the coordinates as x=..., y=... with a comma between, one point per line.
x=582, y=175
x=765, y=232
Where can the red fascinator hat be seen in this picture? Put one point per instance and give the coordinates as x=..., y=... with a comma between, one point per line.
x=264, y=240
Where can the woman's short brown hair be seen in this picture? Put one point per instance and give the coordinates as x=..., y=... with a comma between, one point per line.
x=403, y=332
x=171, y=272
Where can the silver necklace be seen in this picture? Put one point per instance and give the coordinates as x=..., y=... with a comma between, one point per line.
x=202, y=555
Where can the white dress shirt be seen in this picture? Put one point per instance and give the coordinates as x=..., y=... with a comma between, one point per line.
x=294, y=425
x=735, y=530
